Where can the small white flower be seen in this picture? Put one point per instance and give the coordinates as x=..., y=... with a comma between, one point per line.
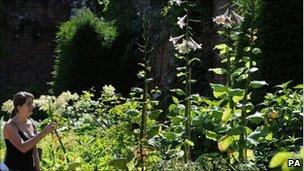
x=193, y=45
x=178, y=2
x=181, y=21
x=223, y=19
x=174, y=40
x=238, y=18
x=182, y=47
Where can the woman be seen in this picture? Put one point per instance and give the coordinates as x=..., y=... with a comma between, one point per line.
x=21, y=137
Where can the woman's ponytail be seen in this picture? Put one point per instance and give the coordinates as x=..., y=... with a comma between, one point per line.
x=13, y=113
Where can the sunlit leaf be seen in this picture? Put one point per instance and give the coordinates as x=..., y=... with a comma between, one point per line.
x=279, y=158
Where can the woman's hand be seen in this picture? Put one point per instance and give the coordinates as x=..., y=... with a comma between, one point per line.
x=49, y=128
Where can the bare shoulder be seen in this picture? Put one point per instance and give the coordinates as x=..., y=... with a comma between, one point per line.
x=9, y=127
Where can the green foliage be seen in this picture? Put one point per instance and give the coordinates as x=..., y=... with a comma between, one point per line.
x=82, y=54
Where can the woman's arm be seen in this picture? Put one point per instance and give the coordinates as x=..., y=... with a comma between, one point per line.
x=10, y=132
x=36, y=158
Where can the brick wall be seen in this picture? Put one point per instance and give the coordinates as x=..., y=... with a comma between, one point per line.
x=28, y=40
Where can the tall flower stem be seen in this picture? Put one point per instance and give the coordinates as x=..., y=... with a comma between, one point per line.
x=242, y=143
x=146, y=50
x=57, y=135
x=187, y=121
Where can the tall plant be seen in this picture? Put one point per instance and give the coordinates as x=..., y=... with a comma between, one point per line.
x=184, y=45
x=240, y=66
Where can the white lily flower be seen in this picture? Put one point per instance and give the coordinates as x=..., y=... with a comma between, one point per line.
x=182, y=47
x=223, y=19
x=175, y=39
x=193, y=45
x=178, y=2
x=238, y=18
x=181, y=21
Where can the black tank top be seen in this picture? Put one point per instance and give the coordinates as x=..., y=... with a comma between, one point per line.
x=15, y=160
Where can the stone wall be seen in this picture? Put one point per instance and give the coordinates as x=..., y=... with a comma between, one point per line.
x=29, y=28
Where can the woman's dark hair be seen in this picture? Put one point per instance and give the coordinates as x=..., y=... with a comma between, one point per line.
x=19, y=100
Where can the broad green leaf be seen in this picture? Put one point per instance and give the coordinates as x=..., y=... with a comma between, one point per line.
x=153, y=131
x=176, y=120
x=118, y=163
x=236, y=92
x=217, y=114
x=279, y=158
x=211, y=135
x=237, y=72
x=169, y=136
x=219, y=71
x=256, y=118
x=131, y=165
x=257, y=84
x=226, y=115
x=219, y=89
x=223, y=48
x=235, y=131
x=242, y=77
x=132, y=112
x=224, y=143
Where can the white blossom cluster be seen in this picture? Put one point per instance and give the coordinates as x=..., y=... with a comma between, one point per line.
x=186, y=45
x=7, y=106
x=227, y=19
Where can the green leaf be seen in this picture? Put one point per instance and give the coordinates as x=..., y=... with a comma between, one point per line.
x=169, y=136
x=224, y=143
x=180, y=74
x=175, y=100
x=256, y=118
x=247, y=49
x=219, y=88
x=176, y=120
x=279, y=158
x=226, y=115
x=236, y=92
x=132, y=112
x=256, y=51
x=242, y=77
x=178, y=91
x=269, y=136
x=189, y=142
x=300, y=86
x=254, y=69
x=257, y=84
x=235, y=131
x=252, y=141
x=223, y=48
x=153, y=131
x=194, y=60
x=219, y=71
x=154, y=114
x=238, y=71
x=118, y=163
x=211, y=135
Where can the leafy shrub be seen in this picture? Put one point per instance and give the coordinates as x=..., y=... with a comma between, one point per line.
x=82, y=54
